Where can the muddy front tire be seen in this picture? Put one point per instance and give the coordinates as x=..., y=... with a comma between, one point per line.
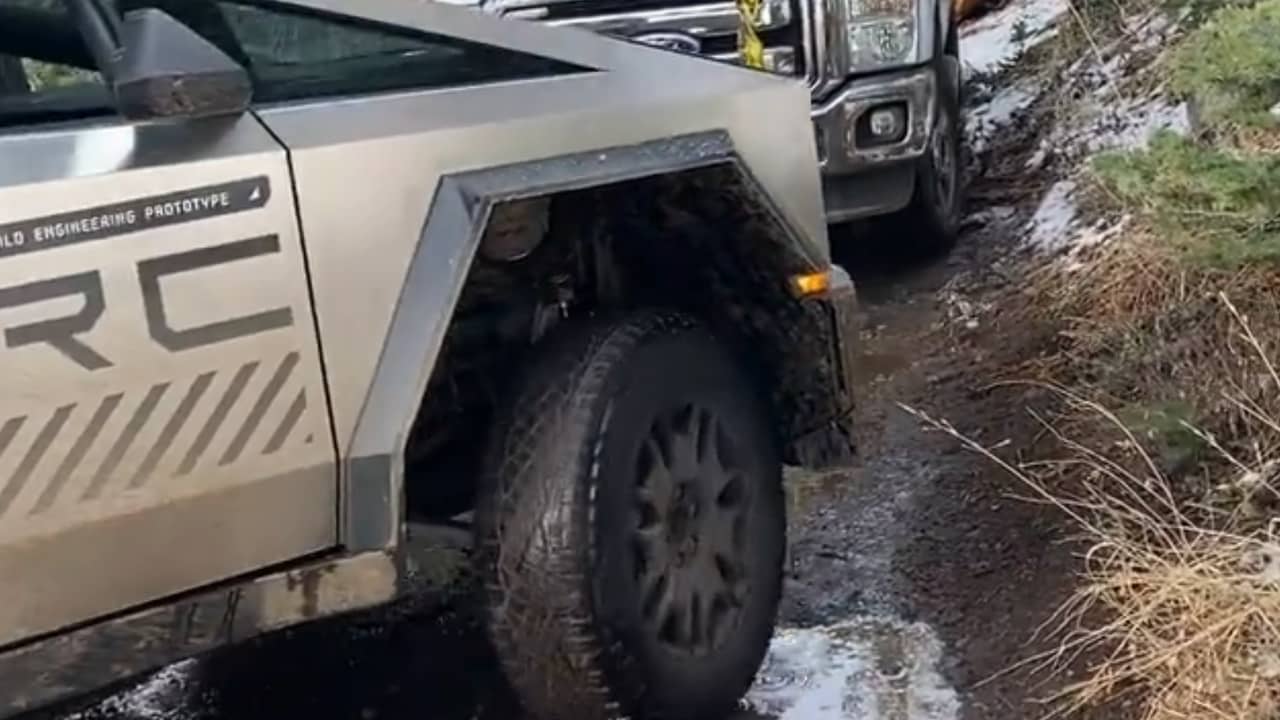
x=930, y=224
x=631, y=526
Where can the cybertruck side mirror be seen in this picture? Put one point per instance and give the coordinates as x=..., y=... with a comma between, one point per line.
x=156, y=67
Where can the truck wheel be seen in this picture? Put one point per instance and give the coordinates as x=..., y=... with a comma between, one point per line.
x=631, y=525
x=930, y=224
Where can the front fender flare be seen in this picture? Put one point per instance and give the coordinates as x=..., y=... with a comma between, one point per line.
x=372, y=477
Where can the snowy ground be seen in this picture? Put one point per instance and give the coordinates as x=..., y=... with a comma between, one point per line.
x=1106, y=109
x=995, y=41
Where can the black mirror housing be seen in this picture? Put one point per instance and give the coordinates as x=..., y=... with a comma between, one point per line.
x=164, y=69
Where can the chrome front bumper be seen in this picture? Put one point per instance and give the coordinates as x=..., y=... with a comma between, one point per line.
x=835, y=121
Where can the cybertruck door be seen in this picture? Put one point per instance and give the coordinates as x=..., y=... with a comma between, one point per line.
x=163, y=420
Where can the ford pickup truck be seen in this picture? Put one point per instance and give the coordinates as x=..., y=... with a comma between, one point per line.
x=884, y=84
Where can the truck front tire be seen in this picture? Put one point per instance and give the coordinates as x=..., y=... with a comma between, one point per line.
x=631, y=525
x=930, y=223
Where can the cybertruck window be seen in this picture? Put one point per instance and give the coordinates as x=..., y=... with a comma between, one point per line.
x=44, y=67
x=294, y=54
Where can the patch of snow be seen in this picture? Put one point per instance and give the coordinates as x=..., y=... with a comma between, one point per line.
x=1073, y=243
x=1094, y=105
x=988, y=118
x=163, y=696
x=1103, y=116
x=1144, y=34
x=1040, y=155
x=1100, y=124
x=1135, y=123
x=996, y=40
x=1050, y=227
x=869, y=668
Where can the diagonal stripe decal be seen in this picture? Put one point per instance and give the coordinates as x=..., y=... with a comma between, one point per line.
x=34, y=455
x=69, y=463
x=219, y=416
x=74, y=441
x=287, y=423
x=171, y=430
x=260, y=409
x=7, y=432
x=122, y=444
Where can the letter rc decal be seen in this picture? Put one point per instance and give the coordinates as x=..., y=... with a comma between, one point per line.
x=61, y=333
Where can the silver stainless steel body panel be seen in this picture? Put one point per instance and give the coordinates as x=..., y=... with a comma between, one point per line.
x=154, y=446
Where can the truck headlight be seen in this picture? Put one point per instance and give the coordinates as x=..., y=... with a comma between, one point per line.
x=882, y=33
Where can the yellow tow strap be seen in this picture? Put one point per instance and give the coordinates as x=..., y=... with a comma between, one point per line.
x=750, y=47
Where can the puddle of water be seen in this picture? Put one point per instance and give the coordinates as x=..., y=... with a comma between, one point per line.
x=868, y=668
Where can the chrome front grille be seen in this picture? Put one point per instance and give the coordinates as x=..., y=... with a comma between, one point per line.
x=708, y=28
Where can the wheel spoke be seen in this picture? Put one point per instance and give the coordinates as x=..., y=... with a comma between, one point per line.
x=733, y=494
x=721, y=576
x=720, y=531
x=684, y=442
x=718, y=620
x=707, y=441
x=654, y=484
x=722, y=564
x=715, y=600
x=672, y=614
x=659, y=598
x=650, y=557
x=696, y=622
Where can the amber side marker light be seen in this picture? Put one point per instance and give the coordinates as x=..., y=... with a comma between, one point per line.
x=814, y=283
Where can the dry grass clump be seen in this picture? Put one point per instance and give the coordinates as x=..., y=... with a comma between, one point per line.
x=1178, y=606
x=1143, y=331
x=1167, y=460
x=1193, y=616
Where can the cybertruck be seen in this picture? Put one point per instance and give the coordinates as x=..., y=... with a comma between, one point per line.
x=280, y=281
